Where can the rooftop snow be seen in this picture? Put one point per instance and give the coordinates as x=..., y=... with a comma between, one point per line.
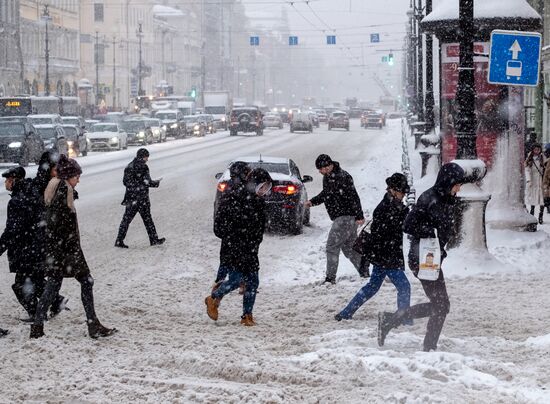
x=165, y=11
x=448, y=10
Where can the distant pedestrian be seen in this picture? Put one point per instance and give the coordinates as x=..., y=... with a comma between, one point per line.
x=386, y=248
x=344, y=209
x=431, y=217
x=137, y=181
x=546, y=178
x=534, y=174
x=64, y=258
x=240, y=223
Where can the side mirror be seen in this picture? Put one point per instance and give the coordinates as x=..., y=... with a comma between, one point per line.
x=218, y=175
x=307, y=178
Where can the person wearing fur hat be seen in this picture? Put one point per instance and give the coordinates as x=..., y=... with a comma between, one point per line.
x=385, y=250
x=64, y=256
x=137, y=181
x=432, y=216
x=240, y=223
x=344, y=209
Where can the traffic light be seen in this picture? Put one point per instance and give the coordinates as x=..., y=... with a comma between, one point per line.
x=390, y=59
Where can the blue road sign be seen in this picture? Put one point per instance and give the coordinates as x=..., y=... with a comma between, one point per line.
x=375, y=38
x=293, y=40
x=331, y=39
x=514, y=58
x=255, y=41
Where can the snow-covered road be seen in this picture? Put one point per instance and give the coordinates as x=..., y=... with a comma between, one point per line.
x=168, y=350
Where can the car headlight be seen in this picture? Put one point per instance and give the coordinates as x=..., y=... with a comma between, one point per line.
x=164, y=127
x=174, y=126
x=114, y=139
x=157, y=131
x=141, y=134
x=223, y=118
x=70, y=143
x=196, y=127
x=14, y=145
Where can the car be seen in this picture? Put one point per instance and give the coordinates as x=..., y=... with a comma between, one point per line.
x=173, y=123
x=138, y=131
x=115, y=117
x=74, y=120
x=273, y=120
x=54, y=138
x=45, y=119
x=159, y=133
x=321, y=113
x=76, y=139
x=314, y=118
x=291, y=112
x=374, y=120
x=301, y=121
x=286, y=208
x=338, y=119
x=209, y=122
x=107, y=136
x=194, y=126
x=246, y=119
x=20, y=143
x=89, y=122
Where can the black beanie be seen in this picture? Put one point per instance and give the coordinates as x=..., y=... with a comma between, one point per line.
x=143, y=152
x=259, y=175
x=398, y=182
x=323, y=160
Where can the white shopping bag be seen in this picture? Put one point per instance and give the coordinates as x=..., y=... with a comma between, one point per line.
x=429, y=259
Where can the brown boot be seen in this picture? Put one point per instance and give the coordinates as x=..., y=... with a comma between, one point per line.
x=96, y=330
x=212, y=307
x=247, y=320
x=37, y=331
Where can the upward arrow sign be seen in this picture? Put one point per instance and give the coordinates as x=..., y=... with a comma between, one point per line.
x=515, y=49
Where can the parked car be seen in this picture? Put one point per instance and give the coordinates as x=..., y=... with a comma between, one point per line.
x=285, y=204
x=374, y=120
x=321, y=113
x=272, y=120
x=19, y=143
x=172, y=119
x=45, y=119
x=76, y=139
x=107, y=136
x=194, y=126
x=338, y=119
x=74, y=120
x=246, y=119
x=159, y=133
x=54, y=138
x=209, y=122
x=301, y=121
x=314, y=118
x=138, y=131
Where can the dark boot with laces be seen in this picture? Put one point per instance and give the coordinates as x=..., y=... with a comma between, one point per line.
x=37, y=331
x=97, y=330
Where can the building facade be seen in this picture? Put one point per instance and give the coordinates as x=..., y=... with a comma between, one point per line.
x=10, y=68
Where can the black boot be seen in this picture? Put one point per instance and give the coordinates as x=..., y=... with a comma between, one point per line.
x=120, y=244
x=96, y=329
x=3, y=332
x=541, y=215
x=384, y=326
x=158, y=241
x=58, y=306
x=37, y=331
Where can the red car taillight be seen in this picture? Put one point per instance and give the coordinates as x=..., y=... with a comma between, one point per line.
x=222, y=186
x=286, y=189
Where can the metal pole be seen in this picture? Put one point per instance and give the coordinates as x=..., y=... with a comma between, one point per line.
x=420, y=68
x=539, y=91
x=203, y=59
x=162, y=52
x=466, y=91
x=140, y=34
x=415, y=63
x=429, y=103
x=114, y=73
x=46, y=16
x=96, y=68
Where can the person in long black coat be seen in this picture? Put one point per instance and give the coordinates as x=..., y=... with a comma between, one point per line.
x=17, y=239
x=137, y=181
x=433, y=215
x=385, y=249
x=240, y=223
x=64, y=257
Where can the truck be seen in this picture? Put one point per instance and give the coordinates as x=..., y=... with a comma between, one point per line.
x=218, y=104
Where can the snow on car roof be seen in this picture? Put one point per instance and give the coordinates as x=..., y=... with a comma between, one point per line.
x=43, y=116
x=265, y=159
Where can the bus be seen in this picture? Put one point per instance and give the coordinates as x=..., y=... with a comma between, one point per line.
x=29, y=105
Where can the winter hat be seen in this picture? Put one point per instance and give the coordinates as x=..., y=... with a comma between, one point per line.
x=535, y=145
x=259, y=176
x=67, y=168
x=142, y=153
x=17, y=172
x=449, y=175
x=48, y=160
x=239, y=170
x=398, y=182
x=323, y=160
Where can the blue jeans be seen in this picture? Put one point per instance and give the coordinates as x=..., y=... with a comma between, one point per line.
x=251, y=282
x=223, y=270
x=397, y=277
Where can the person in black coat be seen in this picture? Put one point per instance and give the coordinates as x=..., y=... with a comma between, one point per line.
x=240, y=223
x=385, y=249
x=137, y=181
x=64, y=256
x=344, y=209
x=432, y=216
x=17, y=240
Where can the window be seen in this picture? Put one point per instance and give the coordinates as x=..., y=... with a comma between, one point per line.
x=99, y=54
x=98, y=12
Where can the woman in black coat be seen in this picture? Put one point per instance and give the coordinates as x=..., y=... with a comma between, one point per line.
x=385, y=248
x=64, y=256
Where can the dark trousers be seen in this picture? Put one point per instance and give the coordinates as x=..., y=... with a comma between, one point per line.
x=144, y=210
x=437, y=309
x=51, y=290
x=27, y=289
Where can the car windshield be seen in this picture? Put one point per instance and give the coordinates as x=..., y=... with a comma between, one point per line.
x=191, y=119
x=339, y=115
x=103, y=127
x=71, y=121
x=133, y=126
x=280, y=168
x=152, y=122
x=47, y=133
x=40, y=121
x=11, y=129
x=70, y=131
x=166, y=116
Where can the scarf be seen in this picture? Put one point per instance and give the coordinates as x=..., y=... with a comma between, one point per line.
x=51, y=190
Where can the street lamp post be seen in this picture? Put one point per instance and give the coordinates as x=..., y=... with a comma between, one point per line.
x=429, y=102
x=114, y=73
x=140, y=35
x=420, y=67
x=97, y=97
x=46, y=17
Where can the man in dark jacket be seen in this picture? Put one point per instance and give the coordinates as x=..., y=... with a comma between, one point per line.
x=240, y=223
x=386, y=248
x=432, y=216
x=17, y=240
x=344, y=209
x=136, y=199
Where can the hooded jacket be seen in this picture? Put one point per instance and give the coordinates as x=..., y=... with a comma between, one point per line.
x=137, y=181
x=339, y=195
x=434, y=211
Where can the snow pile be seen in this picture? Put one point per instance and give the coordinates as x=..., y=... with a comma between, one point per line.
x=448, y=10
